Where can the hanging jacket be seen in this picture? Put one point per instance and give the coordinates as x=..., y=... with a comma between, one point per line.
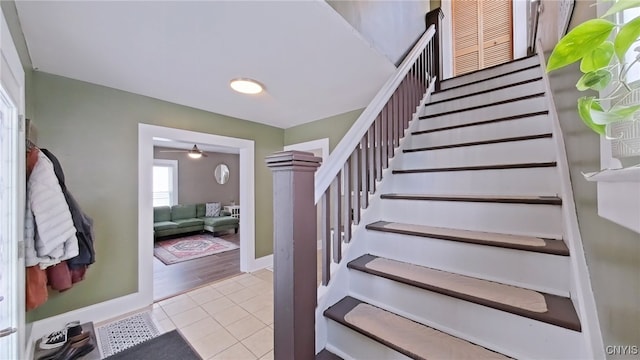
x=82, y=222
x=36, y=292
x=31, y=256
x=54, y=237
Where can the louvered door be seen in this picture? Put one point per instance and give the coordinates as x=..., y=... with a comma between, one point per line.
x=482, y=34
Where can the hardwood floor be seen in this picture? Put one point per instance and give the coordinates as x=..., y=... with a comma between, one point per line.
x=170, y=280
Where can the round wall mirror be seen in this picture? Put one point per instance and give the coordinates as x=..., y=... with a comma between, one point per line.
x=222, y=173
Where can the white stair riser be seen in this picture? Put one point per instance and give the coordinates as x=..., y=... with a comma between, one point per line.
x=486, y=98
x=507, y=266
x=489, y=84
x=480, y=75
x=510, y=334
x=487, y=113
x=515, y=152
x=511, y=128
x=533, y=181
x=350, y=344
x=519, y=219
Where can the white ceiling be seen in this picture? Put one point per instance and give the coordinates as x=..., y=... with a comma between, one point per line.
x=312, y=62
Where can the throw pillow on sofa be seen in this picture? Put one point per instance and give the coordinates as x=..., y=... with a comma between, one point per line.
x=212, y=209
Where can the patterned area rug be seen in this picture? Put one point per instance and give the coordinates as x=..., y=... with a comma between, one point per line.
x=190, y=247
x=123, y=334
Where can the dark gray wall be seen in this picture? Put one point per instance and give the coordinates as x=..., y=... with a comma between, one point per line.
x=391, y=27
x=612, y=251
x=196, y=183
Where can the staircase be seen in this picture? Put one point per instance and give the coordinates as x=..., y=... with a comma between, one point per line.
x=466, y=255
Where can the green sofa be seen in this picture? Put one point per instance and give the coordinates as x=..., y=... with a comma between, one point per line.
x=182, y=219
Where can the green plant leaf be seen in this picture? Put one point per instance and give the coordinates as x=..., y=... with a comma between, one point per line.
x=580, y=41
x=596, y=80
x=619, y=113
x=585, y=104
x=627, y=35
x=621, y=5
x=600, y=57
x=626, y=111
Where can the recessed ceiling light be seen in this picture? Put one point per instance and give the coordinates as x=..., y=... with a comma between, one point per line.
x=246, y=86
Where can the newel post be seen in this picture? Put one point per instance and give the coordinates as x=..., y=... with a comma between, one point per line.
x=294, y=253
x=434, y=17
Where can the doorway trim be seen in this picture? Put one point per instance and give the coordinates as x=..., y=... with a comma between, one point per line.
x=310, y=146
x=519, y=36
x=12, y=81
x=144, y=296
x=146, y=133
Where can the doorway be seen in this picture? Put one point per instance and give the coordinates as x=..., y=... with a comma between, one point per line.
x=187, y=255
x=12, y=198
x=9, y=265
x=499, y=19
x=482, y=34
x=146, y=135
x=319, y=148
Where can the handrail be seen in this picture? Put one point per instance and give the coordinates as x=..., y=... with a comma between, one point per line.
x=351, y=140
x=342, y=189
x=533, y=28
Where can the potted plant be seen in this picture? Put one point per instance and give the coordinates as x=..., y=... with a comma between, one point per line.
x=605, y=65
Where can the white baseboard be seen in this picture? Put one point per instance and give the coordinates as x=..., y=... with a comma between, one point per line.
x=261, y=263
x=106, y=310
x=30, y=342
x=96, y=313
x=110, y=309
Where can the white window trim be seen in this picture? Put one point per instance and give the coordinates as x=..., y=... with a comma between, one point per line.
x=12, y=81
x=173, y=164
x=618, y=189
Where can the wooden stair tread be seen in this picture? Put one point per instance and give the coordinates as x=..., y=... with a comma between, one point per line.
x=522, y=82
x=478, y=167
x=403, y=335
x=517, y=242
x=504, y=199
x=484, y=122
x=486, y=79
x=484, y=142
x=551, y=309
x=488, y=68
x=482, y=106
x=327, y=355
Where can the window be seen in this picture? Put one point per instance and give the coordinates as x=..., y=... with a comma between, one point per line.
x=618, y=189
x=165, y=182
x=626, y=17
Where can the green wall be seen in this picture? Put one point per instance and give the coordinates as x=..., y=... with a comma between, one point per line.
x=333, y=127
x=93, y=130
x=612, y=251
x=434, y=4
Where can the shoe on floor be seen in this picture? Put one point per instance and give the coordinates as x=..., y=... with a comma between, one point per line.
x=58, y=338
x=70, y=349
x=54, y=340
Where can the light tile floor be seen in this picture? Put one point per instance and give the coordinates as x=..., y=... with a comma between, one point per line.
x=230, y=319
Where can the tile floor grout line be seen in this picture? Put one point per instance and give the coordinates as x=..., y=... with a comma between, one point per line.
x=245, y=327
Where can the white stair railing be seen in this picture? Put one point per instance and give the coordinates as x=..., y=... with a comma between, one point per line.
x=357, y=162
